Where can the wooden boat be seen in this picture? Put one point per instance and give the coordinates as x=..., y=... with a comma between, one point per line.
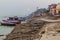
x=11, y=21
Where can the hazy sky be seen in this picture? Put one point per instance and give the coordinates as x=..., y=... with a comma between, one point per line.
x=22, y=7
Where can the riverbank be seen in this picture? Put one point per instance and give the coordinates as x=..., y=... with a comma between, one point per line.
x=26, y=31
x=35, y=30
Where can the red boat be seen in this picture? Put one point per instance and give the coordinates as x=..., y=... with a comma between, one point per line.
x=11, y=21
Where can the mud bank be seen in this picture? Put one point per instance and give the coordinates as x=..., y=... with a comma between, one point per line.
x=35, y=30
x=26, y=31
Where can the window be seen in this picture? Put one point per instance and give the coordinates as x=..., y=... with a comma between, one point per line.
x=16, y=18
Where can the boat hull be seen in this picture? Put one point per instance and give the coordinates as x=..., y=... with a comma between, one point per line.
x=8, y=24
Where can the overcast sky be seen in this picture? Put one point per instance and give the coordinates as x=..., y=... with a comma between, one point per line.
x=22, y=7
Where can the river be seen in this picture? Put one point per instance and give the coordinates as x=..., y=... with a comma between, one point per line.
x=4, y=30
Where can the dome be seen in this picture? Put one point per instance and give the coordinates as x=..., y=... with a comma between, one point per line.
x=58, y=7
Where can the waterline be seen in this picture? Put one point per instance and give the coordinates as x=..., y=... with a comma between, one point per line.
x=5, y=30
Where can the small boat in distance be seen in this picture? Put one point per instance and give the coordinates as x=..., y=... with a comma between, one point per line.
x=11, y=21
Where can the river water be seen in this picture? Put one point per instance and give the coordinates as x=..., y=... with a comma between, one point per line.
x=5, y=30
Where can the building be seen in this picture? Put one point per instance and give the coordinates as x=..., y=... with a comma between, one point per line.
x=54, y=9
x=58, y=8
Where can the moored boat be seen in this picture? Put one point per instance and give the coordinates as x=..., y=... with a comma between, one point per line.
x=11, y=21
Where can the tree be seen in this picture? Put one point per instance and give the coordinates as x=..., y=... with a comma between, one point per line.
x=47, y=10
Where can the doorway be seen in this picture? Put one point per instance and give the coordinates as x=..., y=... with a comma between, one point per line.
x=59, y=12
